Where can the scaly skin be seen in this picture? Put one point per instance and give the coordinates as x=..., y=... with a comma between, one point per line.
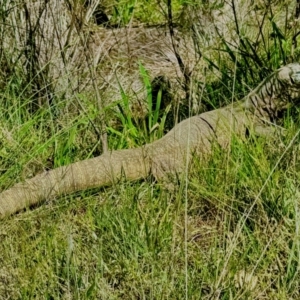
x=168, y=154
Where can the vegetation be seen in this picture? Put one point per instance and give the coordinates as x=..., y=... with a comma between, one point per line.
x=230, y=227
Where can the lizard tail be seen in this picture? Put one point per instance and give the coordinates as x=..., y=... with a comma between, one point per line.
x=103, y=170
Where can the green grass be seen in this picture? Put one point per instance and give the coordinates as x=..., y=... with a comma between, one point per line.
x=228, y=230
x=135, y=131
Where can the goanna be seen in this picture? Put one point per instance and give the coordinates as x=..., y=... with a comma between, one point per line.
x=193, y=136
